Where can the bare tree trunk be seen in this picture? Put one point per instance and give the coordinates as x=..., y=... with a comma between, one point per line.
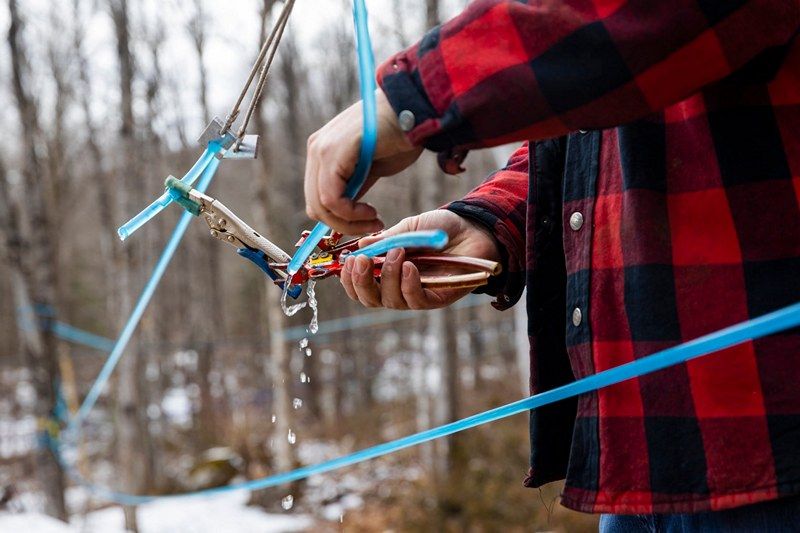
x=151, y=331
x=476, y=347
x=100, y=183
x=267, y=212
x=31, y=247
x=130, y=433
x=210, y=320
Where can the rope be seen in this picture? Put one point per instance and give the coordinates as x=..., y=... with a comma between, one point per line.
x=278, y=34
x=270, y=47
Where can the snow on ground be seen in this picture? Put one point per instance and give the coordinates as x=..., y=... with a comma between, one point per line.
x=225, y=513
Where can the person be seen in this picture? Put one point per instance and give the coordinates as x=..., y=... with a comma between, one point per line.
x=656, y=198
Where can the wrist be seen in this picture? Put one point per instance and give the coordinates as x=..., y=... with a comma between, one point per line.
x=389, y=126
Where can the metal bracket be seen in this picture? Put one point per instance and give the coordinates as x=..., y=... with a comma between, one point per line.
x=212, y=133
x=247, y=148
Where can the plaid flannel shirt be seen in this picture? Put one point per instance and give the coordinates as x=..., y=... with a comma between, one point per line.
x=673, y=212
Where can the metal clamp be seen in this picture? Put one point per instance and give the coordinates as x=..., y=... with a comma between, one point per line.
x=212, y=133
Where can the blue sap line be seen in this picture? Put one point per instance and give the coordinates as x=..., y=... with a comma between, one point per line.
x=127, y=229
x=335, y=325
x=79, y=336
x=369, y=139
x=141, y=304
x=27, y=321
x=780, y=320
x=431, y=239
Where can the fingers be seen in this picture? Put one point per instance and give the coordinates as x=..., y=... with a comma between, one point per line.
x=347, y=279
x=367, y=289
x=330, y=193
x=411, y=287
x=391, y=274
x=350, y=228
x=360, y=285
x=414, y=294
x=331, y=158
x=400, y=286
x=325, y=203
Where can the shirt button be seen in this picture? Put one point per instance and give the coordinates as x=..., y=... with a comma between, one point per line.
x=577, y=317
x=583, y=131
x=407, y=120
x=576, y=220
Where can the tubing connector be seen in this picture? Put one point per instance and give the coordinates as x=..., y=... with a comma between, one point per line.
x=179, y=192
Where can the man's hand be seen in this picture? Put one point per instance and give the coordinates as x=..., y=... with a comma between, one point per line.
x=400, y=286
x=332, y=156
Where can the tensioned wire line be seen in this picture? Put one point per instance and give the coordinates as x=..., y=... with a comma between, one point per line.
x=775, y=322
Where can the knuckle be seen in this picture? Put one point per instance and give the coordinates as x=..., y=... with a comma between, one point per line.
x=326, y=198
x=312, y=140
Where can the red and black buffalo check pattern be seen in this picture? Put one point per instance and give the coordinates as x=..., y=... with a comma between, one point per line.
x=673, y=212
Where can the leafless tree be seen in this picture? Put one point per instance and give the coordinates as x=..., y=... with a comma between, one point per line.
x=30, y=244
x=130, y=429
x=267, y=211
x=443, y=322
x=210, y=319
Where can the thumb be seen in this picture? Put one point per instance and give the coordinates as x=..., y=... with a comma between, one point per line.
x=404, y=226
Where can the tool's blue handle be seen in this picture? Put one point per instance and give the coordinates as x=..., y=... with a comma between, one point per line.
x=369, y=139
x=260, y=260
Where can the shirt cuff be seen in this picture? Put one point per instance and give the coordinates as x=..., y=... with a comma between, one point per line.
x=399, y=78
x=507, y=288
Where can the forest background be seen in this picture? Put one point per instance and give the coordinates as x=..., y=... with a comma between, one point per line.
x=100, y=101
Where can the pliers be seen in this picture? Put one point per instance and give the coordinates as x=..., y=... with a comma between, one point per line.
x=463, y=272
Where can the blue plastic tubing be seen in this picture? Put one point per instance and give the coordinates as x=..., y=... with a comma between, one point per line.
x=366, y=72
x=144, y=298
x=431, y=239
x=127, y=229
x=780, y=320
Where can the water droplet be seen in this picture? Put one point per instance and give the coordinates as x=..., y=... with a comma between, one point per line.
x=274, y=419
x=287, y=502
x=308, y=352
x=304, y=342
x=341, y=518
x=291, y=437
x=297, y=403
x=303, y=377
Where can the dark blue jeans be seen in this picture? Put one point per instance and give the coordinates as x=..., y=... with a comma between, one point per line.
x=777, y=516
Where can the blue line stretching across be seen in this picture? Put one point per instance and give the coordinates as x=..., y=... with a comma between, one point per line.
x=206, y=175
x=75, y=335
x=780, y=320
